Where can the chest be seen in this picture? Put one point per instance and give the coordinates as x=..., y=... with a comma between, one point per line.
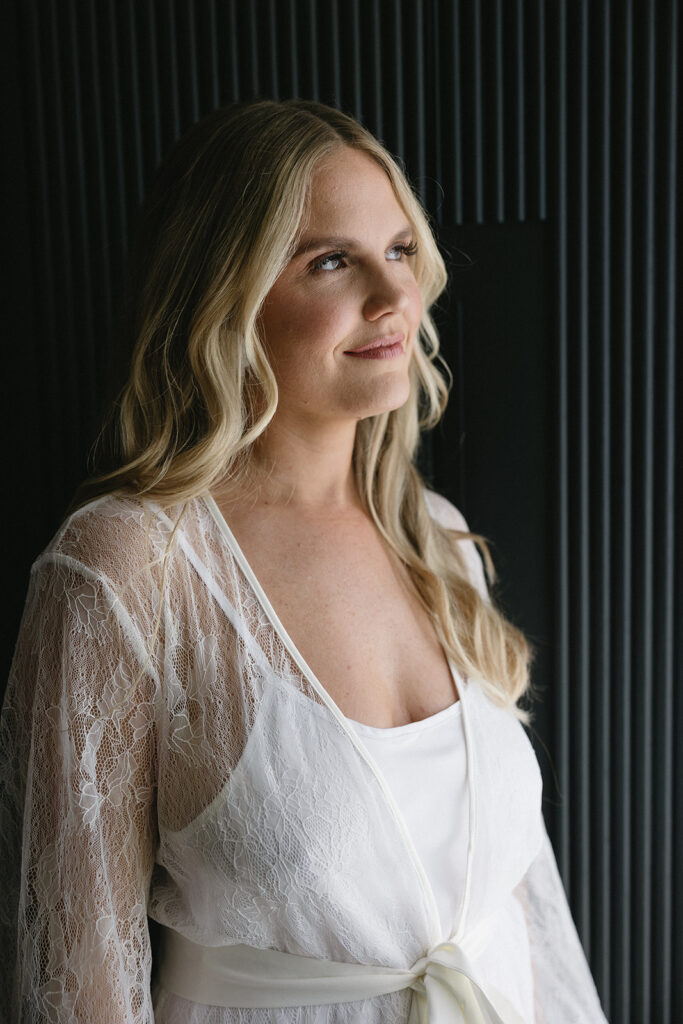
x=302, y=824
x=349, y=607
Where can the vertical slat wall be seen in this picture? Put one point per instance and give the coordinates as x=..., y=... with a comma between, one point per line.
x=502, y=110
x=612, y=202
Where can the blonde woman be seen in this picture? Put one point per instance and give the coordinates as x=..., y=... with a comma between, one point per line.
x=261, y=694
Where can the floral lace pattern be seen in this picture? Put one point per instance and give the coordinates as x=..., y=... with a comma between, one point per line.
x=163, y=754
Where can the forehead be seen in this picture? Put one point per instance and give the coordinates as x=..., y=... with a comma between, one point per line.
x=349, y=186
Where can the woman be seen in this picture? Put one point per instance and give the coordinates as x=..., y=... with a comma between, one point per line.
x=261, y=693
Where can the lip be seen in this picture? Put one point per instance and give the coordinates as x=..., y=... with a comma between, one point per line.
x=379, y=348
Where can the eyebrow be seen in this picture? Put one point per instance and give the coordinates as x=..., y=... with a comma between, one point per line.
x=339, y=242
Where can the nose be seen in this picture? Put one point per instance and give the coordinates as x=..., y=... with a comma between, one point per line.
x=386, y=293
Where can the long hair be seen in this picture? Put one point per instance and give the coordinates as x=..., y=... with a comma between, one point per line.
x=221, y=221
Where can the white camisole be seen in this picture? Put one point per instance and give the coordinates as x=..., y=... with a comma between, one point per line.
x=425, y=766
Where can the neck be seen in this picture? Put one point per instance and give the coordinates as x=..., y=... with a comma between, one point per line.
x=304, y=469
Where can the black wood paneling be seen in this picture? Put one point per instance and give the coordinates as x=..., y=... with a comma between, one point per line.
x=540, y=131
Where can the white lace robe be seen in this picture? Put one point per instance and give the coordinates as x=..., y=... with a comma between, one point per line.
x=165, y=751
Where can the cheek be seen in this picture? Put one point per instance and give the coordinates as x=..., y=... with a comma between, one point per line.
x=300, y=339
x=415, y=304
x=311, y=319
x=317, y=319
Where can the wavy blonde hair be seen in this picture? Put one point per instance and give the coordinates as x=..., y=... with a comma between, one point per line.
x=221, y=221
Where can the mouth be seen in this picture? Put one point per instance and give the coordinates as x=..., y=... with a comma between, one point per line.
x=387, y=347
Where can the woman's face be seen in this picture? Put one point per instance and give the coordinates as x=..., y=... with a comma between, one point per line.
x=350, y=284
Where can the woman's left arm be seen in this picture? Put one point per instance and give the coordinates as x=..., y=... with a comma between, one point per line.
x=564, y=989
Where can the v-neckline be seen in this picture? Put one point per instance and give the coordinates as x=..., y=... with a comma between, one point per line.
x=355, y=738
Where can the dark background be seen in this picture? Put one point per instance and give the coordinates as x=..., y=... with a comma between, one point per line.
x=542, y=137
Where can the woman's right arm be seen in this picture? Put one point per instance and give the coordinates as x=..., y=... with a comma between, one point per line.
x=77, y=807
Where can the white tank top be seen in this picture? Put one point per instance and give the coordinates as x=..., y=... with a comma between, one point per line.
x=425, y=766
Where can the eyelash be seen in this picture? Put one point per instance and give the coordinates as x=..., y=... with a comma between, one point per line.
x=407, y=248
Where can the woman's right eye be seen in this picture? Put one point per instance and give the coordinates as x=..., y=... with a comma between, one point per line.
x=324, y=262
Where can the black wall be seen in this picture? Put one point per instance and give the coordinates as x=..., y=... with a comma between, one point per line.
x=542, y=136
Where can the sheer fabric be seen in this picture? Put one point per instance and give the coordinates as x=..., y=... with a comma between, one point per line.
x=165, y=751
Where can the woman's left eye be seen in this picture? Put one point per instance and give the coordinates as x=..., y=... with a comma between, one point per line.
x=403, y=249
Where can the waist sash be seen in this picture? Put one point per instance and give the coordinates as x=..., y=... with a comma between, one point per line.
x=442, y=982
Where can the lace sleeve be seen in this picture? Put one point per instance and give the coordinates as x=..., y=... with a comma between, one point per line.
x=564, y=989
x=77, y=807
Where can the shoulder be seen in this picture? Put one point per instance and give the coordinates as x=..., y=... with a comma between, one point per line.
x=110, y=539
x=449, y=517
x=444, y=512
x=102, y=577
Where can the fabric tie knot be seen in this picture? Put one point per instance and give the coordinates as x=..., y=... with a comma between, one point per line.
x=445, y=992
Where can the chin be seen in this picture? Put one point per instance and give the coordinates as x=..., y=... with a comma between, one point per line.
x=393, y=398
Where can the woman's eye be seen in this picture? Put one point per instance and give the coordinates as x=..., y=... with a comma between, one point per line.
x=403, y=249
x=336, y=260
x=329, y=262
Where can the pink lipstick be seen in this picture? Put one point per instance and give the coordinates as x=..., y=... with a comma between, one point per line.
x=381, y=348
